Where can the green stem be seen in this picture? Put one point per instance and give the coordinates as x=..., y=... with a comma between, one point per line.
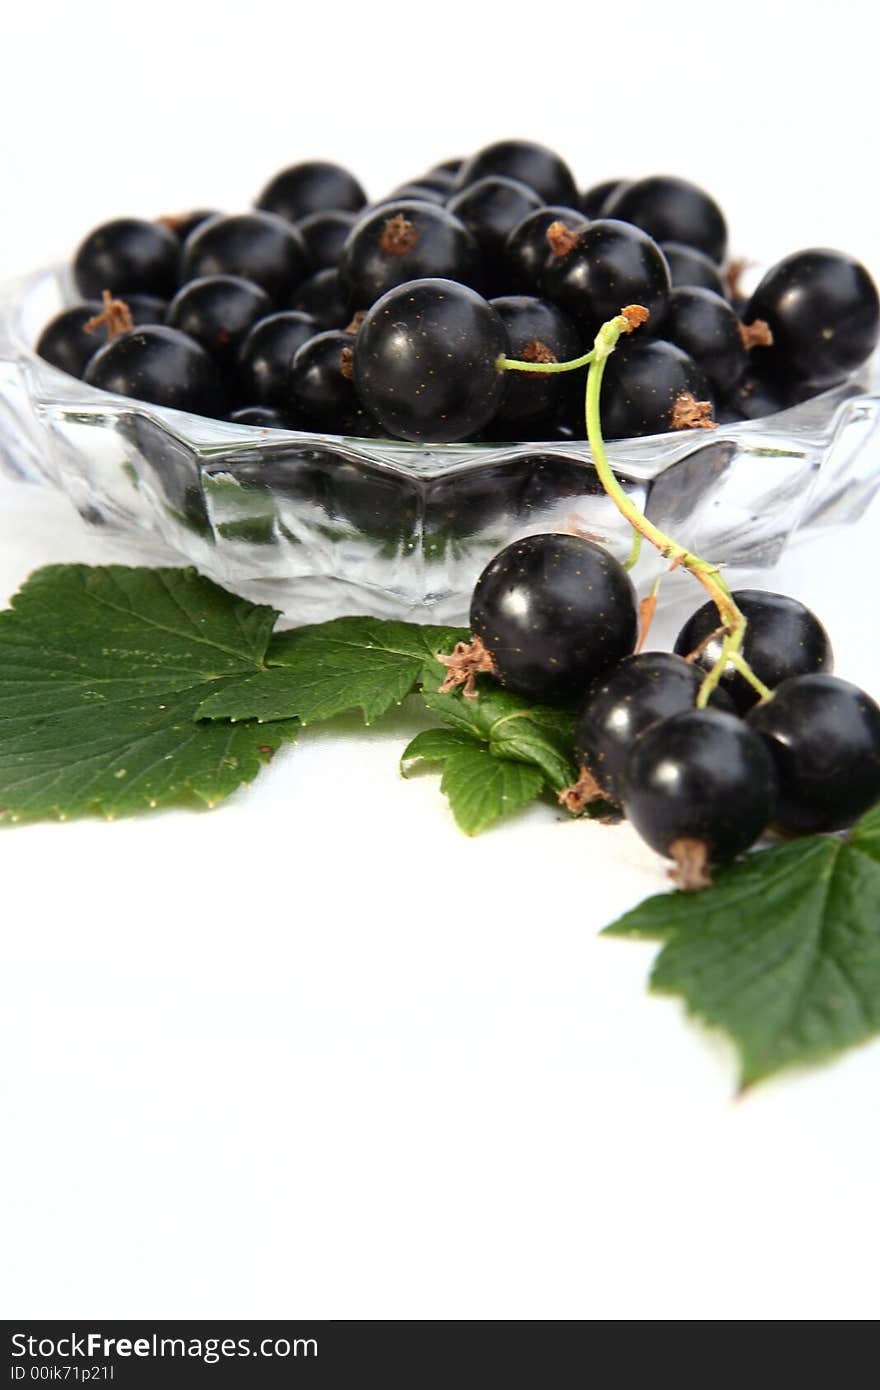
x=511, y=364
x=732, y=619
x=633, y=558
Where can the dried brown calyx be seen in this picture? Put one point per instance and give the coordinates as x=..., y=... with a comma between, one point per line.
x=561, y=239
x=635, y=315
x=399, y=236
x=691, y=859
x=757, y=334
x=347, y=357
x=355, y=326
x=463, y=665
x=732, y=277
x=581, y=793
x=115, y=317
x=690, y=414
x=536, y=351
x=174, y=221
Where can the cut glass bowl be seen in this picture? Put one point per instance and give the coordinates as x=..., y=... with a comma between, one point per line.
x=319, y=525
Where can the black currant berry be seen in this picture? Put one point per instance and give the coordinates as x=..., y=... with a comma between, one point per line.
x=783, y=638
x=321, y=380
x=824, y=314
x=426, y=361
x=651, y=387
x=627, y=700
x=254, y=245
x=324, y=234
x=554, y=611
x=321, y=298
x=538, y=332
x=64, y=342
x=442, y=180
x=671, y=209
x=535, y=165
x=756, y=395
x=181, y=224
x=314, y=186
x=593, y=201
x=266, y=356
x=405, y=241
x=699, y=784
x=690, y=268
x=219, y=311
x=824, y=737
x=127, y=254
x=146, y=308
x=608, y=266
x=490, y=209
x=418, y=192
x=264, y=417
x=160, y=365
x=704, y=326
x=527, y=249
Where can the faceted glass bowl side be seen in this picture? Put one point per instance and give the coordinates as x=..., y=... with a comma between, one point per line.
x=319, y=524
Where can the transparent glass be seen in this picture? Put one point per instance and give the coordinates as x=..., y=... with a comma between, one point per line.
x=319, y=524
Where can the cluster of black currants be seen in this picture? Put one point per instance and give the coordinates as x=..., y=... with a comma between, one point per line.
x=555, y=618
x=316, y=311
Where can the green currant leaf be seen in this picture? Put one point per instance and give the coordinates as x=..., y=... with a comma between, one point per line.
x=512, y=727
x=102, y=671
x=783, y=952
x=480, y=786
x=329, y=668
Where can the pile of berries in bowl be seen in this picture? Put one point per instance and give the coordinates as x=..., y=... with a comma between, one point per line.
x=317, y=311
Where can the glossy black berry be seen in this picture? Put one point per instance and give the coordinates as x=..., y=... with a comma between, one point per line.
x=127, y=254
x=823, y=311
x=651, y=387
x=627, y=700
x=219, y=311
x=264, y=417
x=756, y=395
x=324, y=234
x=160, y=365
x=64, y=341
x=783, y=638
x=146, y=308
x=440, y=179
x=420, y=192
x=426, y=361
x=538, y=332
x=185, y=222
x=704, y=326
x=266, y=356
x=690, y=268
x=314, y=186
x=704, y=777
x=490, y=209
x=609, y=266
x=554, y=611
x=254, y=245
x=671, y=209
x=594, y=200
x=824, y=737
x=405, y=241
x=321, y=380
x=321, y=298
x=527, y=249
x=532, y=164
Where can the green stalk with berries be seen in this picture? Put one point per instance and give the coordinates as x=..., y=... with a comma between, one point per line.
x=732, y=622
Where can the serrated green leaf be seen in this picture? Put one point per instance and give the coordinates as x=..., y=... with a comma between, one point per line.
x=480, y=787
x=329, y=668
x=102, y=671
x=512, y=727
x=435, y=746
x=783, y=952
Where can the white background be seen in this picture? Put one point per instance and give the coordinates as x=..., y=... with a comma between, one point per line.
x=316, y=1053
